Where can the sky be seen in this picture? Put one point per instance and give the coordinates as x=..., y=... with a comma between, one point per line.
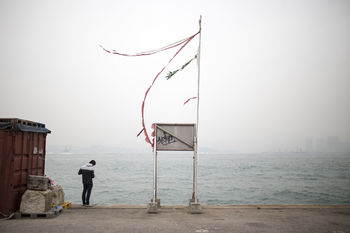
x=273, y=73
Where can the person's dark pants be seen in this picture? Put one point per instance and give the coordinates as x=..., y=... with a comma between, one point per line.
x=86, y=194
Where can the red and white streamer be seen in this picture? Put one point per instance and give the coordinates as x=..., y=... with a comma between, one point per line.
x=182, y=42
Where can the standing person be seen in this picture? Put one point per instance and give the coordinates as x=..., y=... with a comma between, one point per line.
x=87, y=172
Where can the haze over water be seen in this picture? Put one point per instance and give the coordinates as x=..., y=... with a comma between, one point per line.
x=273, y=72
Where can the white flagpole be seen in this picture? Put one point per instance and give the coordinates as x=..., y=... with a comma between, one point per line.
x=196, y=141
x=199, y=68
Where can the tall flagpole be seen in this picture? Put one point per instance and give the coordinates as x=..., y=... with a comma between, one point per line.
x=196, y=141
x=199, y=68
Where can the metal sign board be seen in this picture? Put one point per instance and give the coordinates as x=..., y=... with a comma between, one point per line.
x=175, y=137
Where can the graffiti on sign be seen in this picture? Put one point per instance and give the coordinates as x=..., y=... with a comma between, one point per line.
x=166, y=139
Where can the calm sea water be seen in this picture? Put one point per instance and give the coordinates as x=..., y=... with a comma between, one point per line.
x=222, y=179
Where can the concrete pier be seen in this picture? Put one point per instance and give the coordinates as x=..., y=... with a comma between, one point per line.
x=227, y=218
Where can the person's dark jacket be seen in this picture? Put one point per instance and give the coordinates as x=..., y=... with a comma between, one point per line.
x=87, y=172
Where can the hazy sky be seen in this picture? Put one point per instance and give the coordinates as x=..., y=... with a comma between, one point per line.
x=273, y=73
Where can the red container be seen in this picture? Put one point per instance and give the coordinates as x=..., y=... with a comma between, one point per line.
x=22, y=153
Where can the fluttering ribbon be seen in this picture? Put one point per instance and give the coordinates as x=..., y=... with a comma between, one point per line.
x=150, y=52
x=192, y=98
x=171, y=73
x=182, y=42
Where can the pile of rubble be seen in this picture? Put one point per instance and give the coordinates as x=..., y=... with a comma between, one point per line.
x=41, y=199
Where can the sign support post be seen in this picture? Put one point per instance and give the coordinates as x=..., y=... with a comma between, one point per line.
x=155, y=202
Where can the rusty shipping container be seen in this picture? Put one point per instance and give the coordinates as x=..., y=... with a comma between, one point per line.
x=22, y=153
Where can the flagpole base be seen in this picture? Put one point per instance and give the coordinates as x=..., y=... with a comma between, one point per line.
x=195, y=208
x=153, y=206
x=157, y=201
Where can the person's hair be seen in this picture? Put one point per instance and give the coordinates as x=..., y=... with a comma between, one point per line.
x=93, y=162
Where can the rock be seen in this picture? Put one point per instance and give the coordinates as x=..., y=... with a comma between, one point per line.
x=57, y=195
x=36, y=201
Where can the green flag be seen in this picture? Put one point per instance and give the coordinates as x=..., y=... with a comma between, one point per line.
x=171, y=73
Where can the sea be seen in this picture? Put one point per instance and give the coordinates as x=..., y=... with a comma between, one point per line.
x=265, y=178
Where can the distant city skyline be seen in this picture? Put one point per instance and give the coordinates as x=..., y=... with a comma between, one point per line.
x=328, y=144
x=331, y=144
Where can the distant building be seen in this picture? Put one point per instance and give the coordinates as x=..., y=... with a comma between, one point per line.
x=308, y=146
x=332, y=144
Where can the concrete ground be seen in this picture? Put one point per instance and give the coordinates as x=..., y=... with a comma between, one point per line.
x=228, y=218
